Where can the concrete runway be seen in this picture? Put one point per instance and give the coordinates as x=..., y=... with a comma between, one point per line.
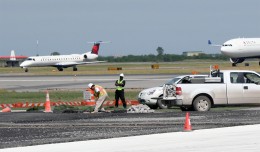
x=37, y=83
x=232, y=139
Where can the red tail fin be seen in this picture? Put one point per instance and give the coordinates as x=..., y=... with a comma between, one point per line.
x=95, y=48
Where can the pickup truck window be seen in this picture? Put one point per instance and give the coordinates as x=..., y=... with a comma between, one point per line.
x=237, y=77
x=252, y=78
x=243, y=77
x=174, y=80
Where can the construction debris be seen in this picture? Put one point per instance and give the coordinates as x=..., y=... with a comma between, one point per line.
x=139, y=109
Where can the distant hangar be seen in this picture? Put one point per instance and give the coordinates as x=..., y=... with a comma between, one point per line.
x=12, y=60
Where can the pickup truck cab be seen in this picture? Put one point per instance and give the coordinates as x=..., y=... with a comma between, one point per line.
x=229, y=87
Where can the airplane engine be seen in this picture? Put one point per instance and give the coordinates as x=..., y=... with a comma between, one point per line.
x=237, y=60
x=85, y=56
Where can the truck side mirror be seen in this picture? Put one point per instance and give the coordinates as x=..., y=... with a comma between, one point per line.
x=215, y=73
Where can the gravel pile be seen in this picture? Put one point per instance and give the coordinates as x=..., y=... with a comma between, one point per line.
x=140, y=109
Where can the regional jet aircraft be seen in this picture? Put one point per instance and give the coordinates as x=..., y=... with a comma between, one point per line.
x=63, y=61
x=240, y=49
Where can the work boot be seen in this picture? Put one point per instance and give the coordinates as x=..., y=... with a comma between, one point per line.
x=102, y=110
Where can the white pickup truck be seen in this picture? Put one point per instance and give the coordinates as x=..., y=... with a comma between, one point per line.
x=226, y=87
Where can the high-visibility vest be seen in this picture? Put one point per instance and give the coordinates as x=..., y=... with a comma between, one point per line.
x=101, y=89
x=119, y=87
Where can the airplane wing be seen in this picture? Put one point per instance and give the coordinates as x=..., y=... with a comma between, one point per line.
x=79, y=63
x=69, y=64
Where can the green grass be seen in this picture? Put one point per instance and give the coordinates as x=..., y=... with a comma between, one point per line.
x=55, y=96
x=184, y=67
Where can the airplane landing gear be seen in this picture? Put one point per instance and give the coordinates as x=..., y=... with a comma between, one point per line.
x=234, y=64
x=26, y=70
x=75, y=69
x=60, y=69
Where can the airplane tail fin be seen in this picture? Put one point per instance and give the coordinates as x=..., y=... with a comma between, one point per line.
x=12, y=56
x=210, y=43
x=95, y=48
x=96, y=45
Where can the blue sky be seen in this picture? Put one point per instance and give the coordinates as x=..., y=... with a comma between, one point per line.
x=134, y=26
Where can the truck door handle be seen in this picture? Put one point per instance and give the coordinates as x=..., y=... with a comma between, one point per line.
x=245, y=87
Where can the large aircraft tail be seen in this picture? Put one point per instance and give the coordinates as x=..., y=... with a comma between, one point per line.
x=12, y=56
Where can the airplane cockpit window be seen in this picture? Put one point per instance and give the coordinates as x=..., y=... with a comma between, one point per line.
x=29, y=59
x=227, y=45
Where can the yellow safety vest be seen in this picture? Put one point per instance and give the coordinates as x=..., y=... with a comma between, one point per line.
x=119, y=87
x=101, y=89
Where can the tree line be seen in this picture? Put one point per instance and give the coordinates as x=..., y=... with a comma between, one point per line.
x=161, y=58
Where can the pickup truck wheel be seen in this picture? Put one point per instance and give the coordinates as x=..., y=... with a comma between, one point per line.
x=162, y=104
x=202, y=103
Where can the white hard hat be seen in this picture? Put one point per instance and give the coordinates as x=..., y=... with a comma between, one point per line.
x=121, y=75
x=90, y=85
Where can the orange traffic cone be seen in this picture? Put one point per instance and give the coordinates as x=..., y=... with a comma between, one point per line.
x=187, y=125
x=6, y=109
x=47, y=103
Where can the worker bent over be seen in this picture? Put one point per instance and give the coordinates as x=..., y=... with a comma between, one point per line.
x=100, y=96
x=120, y=90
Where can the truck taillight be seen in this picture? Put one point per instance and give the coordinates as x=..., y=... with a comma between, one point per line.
x=178, y=91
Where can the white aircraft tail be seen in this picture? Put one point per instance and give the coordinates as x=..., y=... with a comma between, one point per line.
x=12, y=57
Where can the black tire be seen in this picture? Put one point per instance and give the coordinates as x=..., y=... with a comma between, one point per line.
x=202, y=103
x=26, y=70
x=75, y=69
x=162, y=103
x=153, y=106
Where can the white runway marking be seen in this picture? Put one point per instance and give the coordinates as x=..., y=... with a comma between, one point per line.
x=59, y=80
x=231, y=139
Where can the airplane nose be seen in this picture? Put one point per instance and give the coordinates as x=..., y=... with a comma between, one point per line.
x=223, y=50
x=22, y=64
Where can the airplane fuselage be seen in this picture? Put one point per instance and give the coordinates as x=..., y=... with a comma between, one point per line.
x=59, y=60
x=242, y=48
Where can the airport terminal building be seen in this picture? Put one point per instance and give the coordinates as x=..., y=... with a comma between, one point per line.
x=192, y=53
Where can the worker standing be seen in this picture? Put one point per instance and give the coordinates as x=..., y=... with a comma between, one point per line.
x=100, y=96
x=120, y=84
